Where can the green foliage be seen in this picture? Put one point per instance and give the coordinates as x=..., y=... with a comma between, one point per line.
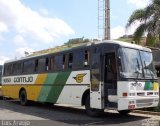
x=77, y=41
x=151, y=40
x=149, y=18
x=138, y=33
x=136, y=15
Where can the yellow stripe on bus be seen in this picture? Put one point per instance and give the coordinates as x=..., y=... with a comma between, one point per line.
x=155, y=86
x=33, y=91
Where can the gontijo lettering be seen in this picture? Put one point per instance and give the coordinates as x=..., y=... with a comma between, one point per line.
x=23, y=79
x=20, y=79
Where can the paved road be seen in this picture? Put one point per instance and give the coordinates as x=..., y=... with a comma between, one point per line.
x=57, y=116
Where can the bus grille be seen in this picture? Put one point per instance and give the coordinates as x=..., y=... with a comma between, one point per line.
x=144, y=102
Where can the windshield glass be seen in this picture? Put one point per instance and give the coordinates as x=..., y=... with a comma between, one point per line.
x=136, y=64
x=147, y=62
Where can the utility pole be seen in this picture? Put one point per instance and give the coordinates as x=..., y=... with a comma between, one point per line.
x=107, y=20
x=104, y=19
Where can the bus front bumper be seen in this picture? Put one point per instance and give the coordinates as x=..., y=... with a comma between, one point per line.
x=137, y=103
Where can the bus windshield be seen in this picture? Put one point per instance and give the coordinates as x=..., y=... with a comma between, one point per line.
x=136, y=64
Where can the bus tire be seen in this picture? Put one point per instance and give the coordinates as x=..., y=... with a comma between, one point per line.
x=124, y=112
x=23, y=98
x=91, y=111
x=48, y=104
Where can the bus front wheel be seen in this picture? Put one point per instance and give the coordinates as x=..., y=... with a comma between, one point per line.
x=91, y=111
x=23, y=98
x=124, y=112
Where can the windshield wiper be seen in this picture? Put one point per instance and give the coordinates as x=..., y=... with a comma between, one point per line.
x=137, y=71
x=147, y=68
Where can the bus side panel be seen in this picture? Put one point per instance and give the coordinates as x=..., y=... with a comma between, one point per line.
x=61, y=87
x=33, y=91
x=72, y=94
x=11, y=91
x=77, y=83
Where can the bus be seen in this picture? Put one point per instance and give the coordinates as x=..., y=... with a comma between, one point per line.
x=99, y=75
x=1, y=67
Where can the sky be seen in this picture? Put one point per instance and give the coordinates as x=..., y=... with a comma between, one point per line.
x=32, y=25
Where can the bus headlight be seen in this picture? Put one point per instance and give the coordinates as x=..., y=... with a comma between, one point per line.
x=132, y=94
x=156, y=93
x=125, y=94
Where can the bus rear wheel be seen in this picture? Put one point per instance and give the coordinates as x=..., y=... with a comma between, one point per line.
x=23, y=98
x=91, y=111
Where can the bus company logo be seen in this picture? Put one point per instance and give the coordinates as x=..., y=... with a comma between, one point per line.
x=79, y=78
x=136, y=84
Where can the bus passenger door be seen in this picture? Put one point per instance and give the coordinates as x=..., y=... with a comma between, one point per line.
x=95, y=90
x=110, y=80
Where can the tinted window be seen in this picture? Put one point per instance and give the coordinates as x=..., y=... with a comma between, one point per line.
x=47, y=64
x=78, y=60
x=95, y=61
x=64, y=61
x=70, y=60
x=36, y=65
x=42, y=65
x=51, y=66
x=1, y=67
x=17, y=68
x=7, y=69
x=86, y=60
x=58, y=62
x=28, y=66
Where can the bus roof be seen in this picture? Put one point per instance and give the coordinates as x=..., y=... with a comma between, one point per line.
x=120, y=43
x=125, y=44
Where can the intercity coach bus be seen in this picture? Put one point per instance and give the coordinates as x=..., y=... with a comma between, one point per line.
x=99, y=75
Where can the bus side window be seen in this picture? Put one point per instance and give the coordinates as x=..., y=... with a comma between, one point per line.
x=17, y=68
x=64, y=62
x=70, y=61
x=58, y=62
x=7, y=69
x=51, y=65
x=36, y=65
x=42, y=65
x=86, y=60
x=47, y=64
x=78, y=62
x=28, y=66
x=10, y=69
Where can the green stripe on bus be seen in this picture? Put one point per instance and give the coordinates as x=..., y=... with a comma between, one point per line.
x=57, y=87
x=47, y=87
x=148, y=86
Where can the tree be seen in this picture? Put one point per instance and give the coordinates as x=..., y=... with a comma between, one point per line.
x=149, y=18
